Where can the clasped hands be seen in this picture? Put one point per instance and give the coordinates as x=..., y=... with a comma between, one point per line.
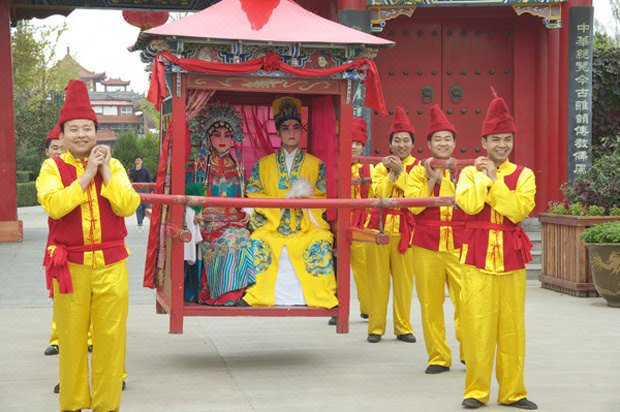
x=486, y=166
x=393, y=164
x=98, y=160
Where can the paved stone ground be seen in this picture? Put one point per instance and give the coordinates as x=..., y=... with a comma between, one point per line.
x=293, y=364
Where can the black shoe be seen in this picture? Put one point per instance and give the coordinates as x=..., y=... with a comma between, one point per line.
x=472, y=403
x=523, y=404
x=372, y=338
x=435, y=369
x=51, y=350
x=364, y=315
x=124, y=384
x=90, y=348
x=242, y=303
x=333, y=321
x=407, y=337
x=57, y=388
x=462, y=361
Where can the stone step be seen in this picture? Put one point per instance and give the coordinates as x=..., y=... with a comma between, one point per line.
x=535, y=236
x=536, y=257
x=532, y=271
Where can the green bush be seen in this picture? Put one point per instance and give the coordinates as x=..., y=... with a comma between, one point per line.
x=26, y=194
x=599, y=186
x=595, y=211
x=23, y=176
x=30, y=161
x=604, y=233
x=614, y=211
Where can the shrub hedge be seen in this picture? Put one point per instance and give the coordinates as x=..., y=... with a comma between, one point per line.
x=23, y=176
x=26, y=194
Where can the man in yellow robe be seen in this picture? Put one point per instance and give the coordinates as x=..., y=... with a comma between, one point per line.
x=53, y=148
x=87, y=195
x=292, y=247
x=498, y=195
x=363, y=172
x=395, y=259
x=436, y=243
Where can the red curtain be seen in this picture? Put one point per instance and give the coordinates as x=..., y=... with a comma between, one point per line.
x=271, y=62
x=324, y=131
x=257, y=143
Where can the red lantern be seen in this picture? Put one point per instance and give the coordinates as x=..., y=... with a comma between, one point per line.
x=145, y=19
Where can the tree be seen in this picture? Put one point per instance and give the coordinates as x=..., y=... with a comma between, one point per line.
x=605, y=94
x=37, y=91
x=128, y=145
x=150, y=114
x=126, y=148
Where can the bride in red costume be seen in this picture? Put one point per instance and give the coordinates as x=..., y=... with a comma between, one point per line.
x=228, y=266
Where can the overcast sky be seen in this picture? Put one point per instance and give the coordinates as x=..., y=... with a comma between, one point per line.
x=98, y=40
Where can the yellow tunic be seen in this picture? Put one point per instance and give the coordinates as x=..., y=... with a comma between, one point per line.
x=305, y=233
x=384, y=261
x=99, y=291
x=475, y=189
x=493, y=306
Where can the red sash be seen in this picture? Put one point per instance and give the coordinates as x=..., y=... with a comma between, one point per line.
x=57, y=264
x=521, y=242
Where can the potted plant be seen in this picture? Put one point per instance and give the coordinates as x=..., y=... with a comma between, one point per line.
x=603, y=243
x=591, y=199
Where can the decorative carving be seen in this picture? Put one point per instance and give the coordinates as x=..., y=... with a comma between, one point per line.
x=427, y=93
x=550, y=13
x=456, y=93
x=240, y=83
x=379, y=15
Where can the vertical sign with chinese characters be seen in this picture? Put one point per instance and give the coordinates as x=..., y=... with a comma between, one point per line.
x=580, y=40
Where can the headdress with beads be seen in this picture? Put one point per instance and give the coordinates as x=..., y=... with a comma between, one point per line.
x=286, y=108
x=219, y=114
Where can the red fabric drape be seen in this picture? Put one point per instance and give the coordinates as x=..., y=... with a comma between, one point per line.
x=271, y=62
x=196, y=99
x=153, y=242
x=325, y=142
x=257, y=144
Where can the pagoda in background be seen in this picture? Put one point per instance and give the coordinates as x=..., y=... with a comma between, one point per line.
x=114, y=104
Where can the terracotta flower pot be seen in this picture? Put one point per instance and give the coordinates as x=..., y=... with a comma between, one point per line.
x=605, y=267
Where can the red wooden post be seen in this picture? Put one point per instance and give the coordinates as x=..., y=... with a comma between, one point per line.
x=178, y=188
x=545, y=188
x=10, y=228
x=344, y=215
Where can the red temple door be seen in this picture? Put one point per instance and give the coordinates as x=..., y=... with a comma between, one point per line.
x=451, y=61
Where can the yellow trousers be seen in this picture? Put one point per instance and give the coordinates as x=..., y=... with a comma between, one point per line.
x=383, y=261
x=359, y=269
x=54, y=334
x=319, y=289
x=493, y=326
x=433, y=272
x=100, y=296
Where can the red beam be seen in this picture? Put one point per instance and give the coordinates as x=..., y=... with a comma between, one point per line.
x=139, y=186
x=368, y=236
x=446, y=163
x=194, y=309
x=10, y=227
x=297, y=203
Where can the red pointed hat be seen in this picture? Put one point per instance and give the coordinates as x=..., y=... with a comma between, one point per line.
x=439, y=122
x=54, y=133
x=401, y=122
x=77, y=104
x=359, y=131
x=498, y=119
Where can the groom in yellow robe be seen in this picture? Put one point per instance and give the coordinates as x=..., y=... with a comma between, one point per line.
x=292, y=247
